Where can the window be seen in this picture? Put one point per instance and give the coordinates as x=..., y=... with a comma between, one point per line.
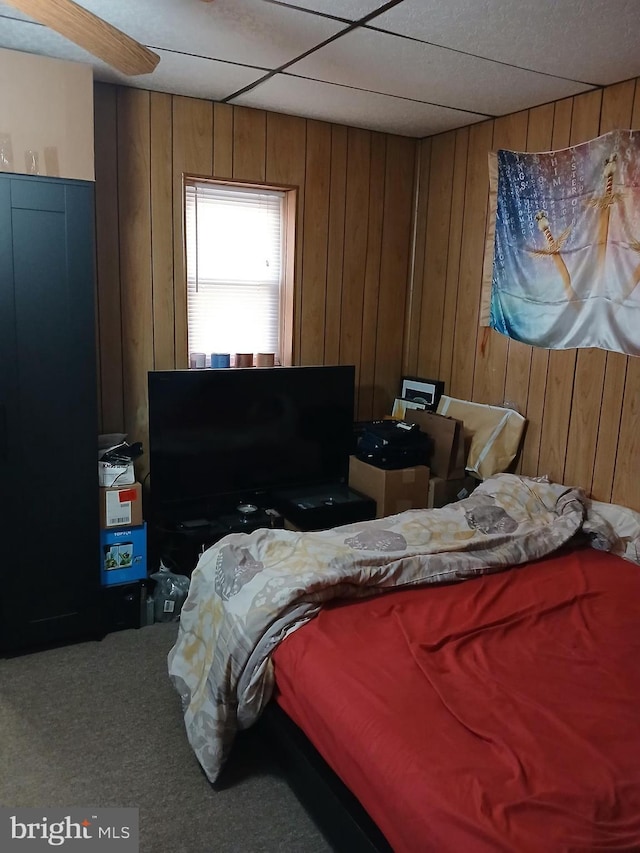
x=237, y=281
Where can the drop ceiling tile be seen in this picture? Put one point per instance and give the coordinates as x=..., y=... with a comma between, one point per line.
x=312, y=99
x=28, y=37
x=188, y=75
x=594, y=41
x=352, y=11
x=368, y=59
x=248, y=32
x=588, y=41
x=11, y=12
x=180, y=75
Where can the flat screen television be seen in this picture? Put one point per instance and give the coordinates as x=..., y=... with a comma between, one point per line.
x=226, y=436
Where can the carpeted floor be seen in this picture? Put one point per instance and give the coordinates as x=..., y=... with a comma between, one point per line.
x=99, y=724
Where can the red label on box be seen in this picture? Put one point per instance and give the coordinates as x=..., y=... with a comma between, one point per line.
x=127, y=495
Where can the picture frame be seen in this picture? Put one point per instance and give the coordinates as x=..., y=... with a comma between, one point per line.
x=425, y=391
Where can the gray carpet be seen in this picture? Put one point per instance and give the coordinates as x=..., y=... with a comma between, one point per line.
x=99, y=724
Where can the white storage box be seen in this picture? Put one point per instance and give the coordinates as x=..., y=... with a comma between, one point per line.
x=115, y=475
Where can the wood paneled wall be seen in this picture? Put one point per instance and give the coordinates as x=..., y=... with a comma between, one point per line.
x=582, y=406
x=353, y=249
x=390, y=249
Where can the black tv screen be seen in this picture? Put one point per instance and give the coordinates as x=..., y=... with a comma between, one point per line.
x=223, y=436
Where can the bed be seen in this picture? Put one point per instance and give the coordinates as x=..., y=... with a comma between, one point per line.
x=470, y=674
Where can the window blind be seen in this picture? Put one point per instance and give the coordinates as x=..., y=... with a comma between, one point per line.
x=234, y=268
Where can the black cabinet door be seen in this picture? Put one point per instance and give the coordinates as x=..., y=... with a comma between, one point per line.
x=49, y=571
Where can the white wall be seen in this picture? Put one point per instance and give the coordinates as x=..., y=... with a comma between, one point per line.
x=46, y=106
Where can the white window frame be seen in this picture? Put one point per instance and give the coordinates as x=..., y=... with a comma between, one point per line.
x=284, y=349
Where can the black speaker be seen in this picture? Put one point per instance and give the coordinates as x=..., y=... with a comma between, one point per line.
x=121, y=605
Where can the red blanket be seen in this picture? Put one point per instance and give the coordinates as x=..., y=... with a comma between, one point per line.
x=498, y=714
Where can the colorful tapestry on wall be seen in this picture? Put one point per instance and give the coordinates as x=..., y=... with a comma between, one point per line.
x=562, y=266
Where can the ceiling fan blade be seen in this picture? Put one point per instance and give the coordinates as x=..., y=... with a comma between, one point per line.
x=91, y=33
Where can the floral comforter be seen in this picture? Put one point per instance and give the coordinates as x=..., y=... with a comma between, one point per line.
x=249, y=591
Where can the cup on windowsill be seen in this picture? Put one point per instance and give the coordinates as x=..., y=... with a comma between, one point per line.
x=197, y=360
x=244, y=359
x=220, y=359
x=265, y=359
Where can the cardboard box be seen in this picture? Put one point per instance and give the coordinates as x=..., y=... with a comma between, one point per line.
x=123, y=555
x=443, y=492
x=449, y=448
x=394, y=490
x=121, y=506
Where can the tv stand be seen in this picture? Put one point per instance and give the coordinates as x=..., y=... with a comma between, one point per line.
x=180, y=543
x=239, y=521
